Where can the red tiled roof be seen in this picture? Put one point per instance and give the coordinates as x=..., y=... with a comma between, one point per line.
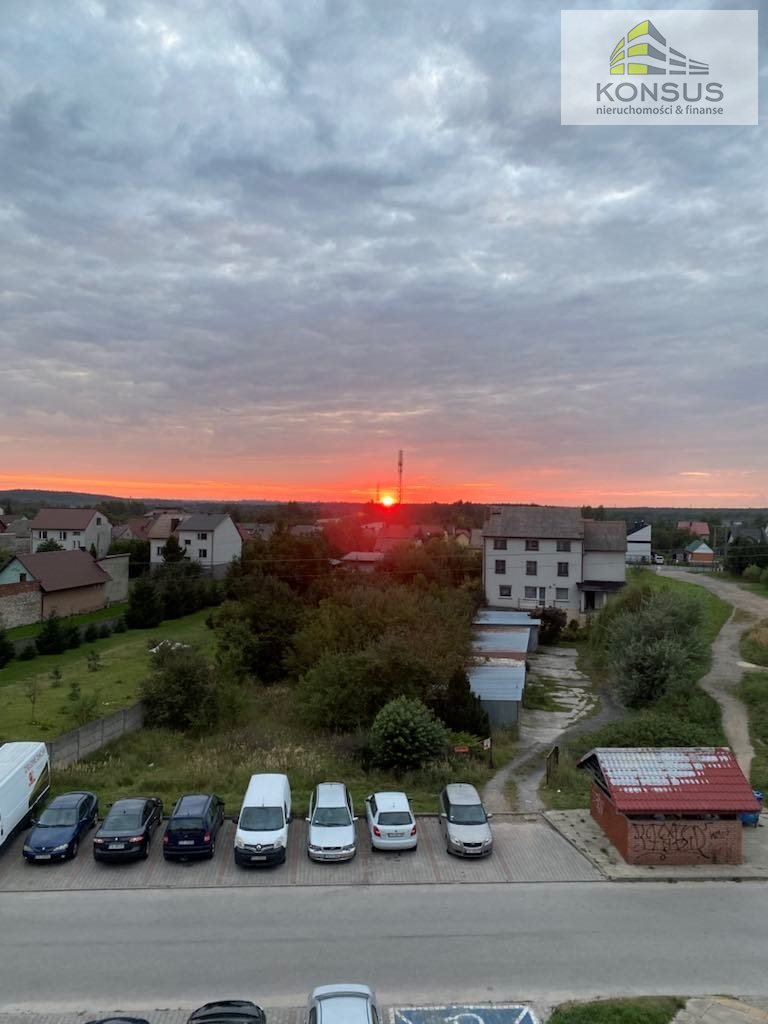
x=63, y=570
x=696, y=526
x=681, y=780
x=63, y=518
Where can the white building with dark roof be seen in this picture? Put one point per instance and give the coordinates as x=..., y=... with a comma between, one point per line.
x=73, y=529
x=211, y=539
x=539, y=555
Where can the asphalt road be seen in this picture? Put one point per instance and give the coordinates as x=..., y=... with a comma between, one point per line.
x=143, y=949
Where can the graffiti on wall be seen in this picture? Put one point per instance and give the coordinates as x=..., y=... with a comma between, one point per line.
x=666, y=838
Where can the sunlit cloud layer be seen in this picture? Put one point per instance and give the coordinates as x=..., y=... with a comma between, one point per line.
x=255, y=249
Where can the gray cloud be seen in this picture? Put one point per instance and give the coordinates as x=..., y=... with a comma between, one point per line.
x=305, y=234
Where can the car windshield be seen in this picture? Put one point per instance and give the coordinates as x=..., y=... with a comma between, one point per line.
x=467, y=814
x=331, y=816
x=261, y=819
x=186, y=823
x=122, y=822
x=394, y=818
x=57, y=816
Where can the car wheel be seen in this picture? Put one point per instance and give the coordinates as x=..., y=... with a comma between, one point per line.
x=145, y=851
x=212, y=849
x=74, y=849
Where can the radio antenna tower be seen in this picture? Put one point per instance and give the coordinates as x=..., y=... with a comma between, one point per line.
x=400, y=477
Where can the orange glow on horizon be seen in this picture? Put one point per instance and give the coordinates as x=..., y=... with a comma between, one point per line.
x=388, y=500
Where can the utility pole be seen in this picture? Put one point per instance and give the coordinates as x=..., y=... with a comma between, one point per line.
x=400, y=477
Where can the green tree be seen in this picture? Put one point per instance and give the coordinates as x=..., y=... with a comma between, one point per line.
x=51, y=638
x=145, y=609
x=405, y=735
x=94, y=661
x=32, y=687
x=49, y=545
x=172, y=551
x=138, y=552
x=253, y=636
x=182, y=691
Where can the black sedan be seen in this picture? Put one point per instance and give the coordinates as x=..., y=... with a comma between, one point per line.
x=228, y=1011
x=126, y=832
x=57, y=832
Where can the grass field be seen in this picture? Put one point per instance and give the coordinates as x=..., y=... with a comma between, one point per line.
x=645, y=1010
x=753, y=690
x=754, y=644
x=124, y=661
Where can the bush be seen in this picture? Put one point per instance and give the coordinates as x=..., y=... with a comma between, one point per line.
x=120, y=626
x=764, y=577
x=72, y=636
x=752, y=574
x=27, y=653
x=254, y=636
x=181, y=691
x=7, y=650
x=51, y=639
x=145, y=609
x=553, y=622
x=91, y=633
x=405, y=735
x=459, y=708
x=104, y=632
x=94, y=661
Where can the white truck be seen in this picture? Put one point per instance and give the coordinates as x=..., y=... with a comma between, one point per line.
x=25, y=778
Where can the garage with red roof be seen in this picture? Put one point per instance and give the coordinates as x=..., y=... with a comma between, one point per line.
x=670, y=805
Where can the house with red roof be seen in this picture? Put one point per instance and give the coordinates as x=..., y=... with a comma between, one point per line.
x=32, y=587
x=73, y=529
x=670, y=805
x=695, y=526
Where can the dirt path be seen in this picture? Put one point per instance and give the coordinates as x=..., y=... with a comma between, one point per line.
x=727, y=667
x=720, y=681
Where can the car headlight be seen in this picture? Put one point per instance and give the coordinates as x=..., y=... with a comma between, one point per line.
x=279, y=844
x=315, y=848
x=349, y=846
x=240, y=844
x=28, y=849
x=488, y=841
x=61, y=848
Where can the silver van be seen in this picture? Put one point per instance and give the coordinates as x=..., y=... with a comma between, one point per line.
x=464, y=821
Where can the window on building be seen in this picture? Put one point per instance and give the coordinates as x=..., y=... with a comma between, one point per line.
x=542, y=595
x=187, y=541
x=531, y=545
x=202, y=536
x=561, y=593
x=98, y=520
x=505, y=591
x=531, y=568
x=530, y=593
x=22, y=577
x=562, y=568
x=499, y=543
x=202, y=552
x=62, y=534
x=501, y=566
x=563, y=545
x=75, y=533
x=43, y=535
x=159, y=549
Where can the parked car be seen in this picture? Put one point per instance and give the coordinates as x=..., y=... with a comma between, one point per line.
x=126, y=832
x=119, y=1020
x=658, y=560
x=464, y=821
x=342, y=1004
x=193, y=826
x=331, y=833
x=261, y=835
x=390, y=822
x=57, y=832
x=25, y=778
x=228, y=1011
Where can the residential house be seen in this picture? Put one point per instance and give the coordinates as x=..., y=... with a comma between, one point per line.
x=695, y=526
x=362, y=561
x=639, y=544
x=160, y=526
x=72, y=529
x=547, y=555
x=752, y=534
x=14, y=535
x=699, y=553
x=32, y=587
x=210, y=539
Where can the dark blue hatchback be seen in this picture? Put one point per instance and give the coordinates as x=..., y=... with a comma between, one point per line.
x=59, y=829
x=193, y=826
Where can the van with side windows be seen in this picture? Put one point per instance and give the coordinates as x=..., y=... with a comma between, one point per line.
x=25, y=778
x=261, y=833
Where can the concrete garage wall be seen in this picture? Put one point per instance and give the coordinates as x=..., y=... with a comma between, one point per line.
x=74, y=601
x=117, y=568
x=20, y=604
x=79, y=743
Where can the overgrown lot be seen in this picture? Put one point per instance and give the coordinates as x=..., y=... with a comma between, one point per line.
x=124, y=660
x=270, y=738
x=644, y=1010
x=754, y=644
x=753, y=690
x=650, y=645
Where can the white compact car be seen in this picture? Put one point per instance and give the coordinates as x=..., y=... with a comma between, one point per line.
x=390, y=822
x=331, y=833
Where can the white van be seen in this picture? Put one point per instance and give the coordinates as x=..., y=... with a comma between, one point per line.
x=25, y=778
x=261, y=835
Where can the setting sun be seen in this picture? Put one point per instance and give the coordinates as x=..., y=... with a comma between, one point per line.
x=388, y=500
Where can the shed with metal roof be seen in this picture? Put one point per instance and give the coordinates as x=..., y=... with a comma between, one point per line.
x=670, y=805
x=499, y=683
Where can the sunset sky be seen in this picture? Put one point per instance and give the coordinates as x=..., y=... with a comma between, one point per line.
x=252, y=249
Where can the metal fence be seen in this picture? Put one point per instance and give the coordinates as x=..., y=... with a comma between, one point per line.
x=77, y=744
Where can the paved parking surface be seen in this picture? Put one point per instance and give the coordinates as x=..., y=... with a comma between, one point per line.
x=525, y=850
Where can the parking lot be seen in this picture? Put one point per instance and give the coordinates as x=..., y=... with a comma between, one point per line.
x=526, y=849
